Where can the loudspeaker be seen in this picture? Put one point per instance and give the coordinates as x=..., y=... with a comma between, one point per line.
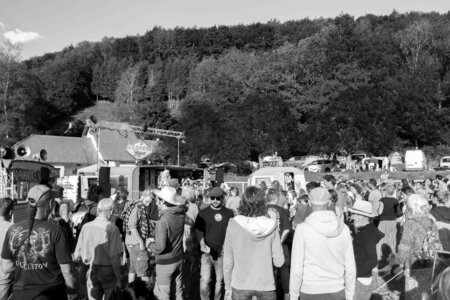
x=45, y=176
x=103, y=175
x=103, y=181
x=106, y=187
x=219, y=176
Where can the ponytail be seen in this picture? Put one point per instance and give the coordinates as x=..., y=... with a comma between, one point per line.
x=30, y=230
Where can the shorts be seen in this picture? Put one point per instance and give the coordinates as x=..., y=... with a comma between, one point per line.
x=139, y=261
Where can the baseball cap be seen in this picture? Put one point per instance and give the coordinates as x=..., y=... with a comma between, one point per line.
x=216, y=192
x=319, y=196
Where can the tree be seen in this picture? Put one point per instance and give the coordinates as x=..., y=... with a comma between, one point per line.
x=130, y=88
x=415, y=43
x=9, y=64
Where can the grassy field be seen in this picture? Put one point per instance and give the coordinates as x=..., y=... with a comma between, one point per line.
x=346, y=175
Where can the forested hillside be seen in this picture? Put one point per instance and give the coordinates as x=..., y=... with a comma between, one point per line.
x=376, y=83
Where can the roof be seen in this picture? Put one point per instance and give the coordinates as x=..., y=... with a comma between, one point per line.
x=113, y=145
x=61, y=149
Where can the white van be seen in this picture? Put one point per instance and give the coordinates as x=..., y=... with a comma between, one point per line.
x=284, y=175
x=415, y=160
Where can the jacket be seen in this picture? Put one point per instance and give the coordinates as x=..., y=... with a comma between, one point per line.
x=252, y=246
x=413, y=236
x=322, y=257
x=364, y=247
x=441, y=215
x=168, y=245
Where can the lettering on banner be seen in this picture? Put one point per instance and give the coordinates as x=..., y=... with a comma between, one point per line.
x=139, y=150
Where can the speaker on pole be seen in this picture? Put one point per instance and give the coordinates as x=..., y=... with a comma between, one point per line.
x=104, y=181
x=103, y=174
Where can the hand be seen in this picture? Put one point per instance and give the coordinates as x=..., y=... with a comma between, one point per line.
x=203, y=247
x=228, y=294
x=142, y=246
x=398, y=270
x=119, y=284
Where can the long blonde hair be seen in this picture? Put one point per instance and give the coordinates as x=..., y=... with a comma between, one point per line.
x=417, y=205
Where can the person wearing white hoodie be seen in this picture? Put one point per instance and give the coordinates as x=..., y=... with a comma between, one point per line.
x=252, y=247
x=322, y=262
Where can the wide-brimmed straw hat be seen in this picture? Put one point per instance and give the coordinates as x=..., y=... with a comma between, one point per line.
x=363, y=208
x=167, y=193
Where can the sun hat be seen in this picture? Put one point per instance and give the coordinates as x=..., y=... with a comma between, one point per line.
x=363, y=208
x=167, y=193
x=319, y=196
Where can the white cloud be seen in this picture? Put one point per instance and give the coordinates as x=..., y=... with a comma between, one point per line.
x=2, y=25
x=19, y=37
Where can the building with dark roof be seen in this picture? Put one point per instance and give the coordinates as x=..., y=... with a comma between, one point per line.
x=69, y=154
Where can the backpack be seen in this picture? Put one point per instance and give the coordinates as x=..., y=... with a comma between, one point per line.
x=431, y=244
x=87, y=217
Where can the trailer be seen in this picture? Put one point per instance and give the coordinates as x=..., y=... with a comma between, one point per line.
x=19, y=177
x=136, y=179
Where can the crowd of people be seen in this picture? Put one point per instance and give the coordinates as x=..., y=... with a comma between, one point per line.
x=331, y=240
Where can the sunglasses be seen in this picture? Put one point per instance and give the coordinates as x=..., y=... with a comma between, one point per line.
x=216, y=198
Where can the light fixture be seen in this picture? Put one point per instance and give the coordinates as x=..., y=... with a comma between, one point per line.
x=93, y=119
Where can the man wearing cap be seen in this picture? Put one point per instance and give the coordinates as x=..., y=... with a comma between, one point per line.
x=168, y=243
x=211, y=225
x=365, y=248
x=37, y=251
x=322, y=263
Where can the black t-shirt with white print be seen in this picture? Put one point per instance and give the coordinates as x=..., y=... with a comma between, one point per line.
x=37, y=263
x=213, y=223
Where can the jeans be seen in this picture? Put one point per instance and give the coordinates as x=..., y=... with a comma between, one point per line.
x=328, y=296
x=101, y=281
x=248, y=294
x=165, y=274
x=205, y=276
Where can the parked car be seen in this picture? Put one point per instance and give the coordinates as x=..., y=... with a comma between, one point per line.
x=320, y=165
x=295, y=161
x=358, y=157
x=444, y=163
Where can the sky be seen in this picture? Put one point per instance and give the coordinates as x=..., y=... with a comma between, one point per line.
x=44, y=26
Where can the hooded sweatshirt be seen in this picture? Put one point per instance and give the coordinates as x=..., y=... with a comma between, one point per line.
x=252, y=246
x=442, y=216
x=168, y=245
x=322, y=257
